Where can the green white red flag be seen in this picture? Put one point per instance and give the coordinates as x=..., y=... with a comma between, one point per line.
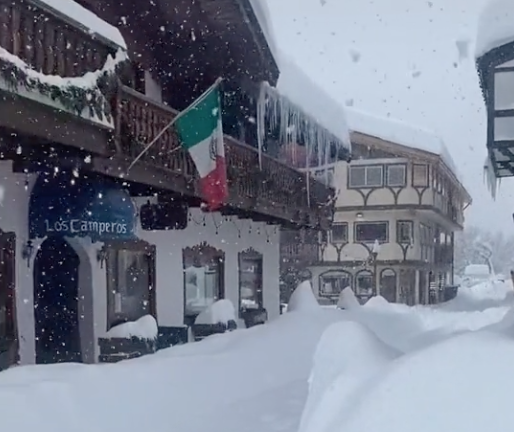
x=201, y=133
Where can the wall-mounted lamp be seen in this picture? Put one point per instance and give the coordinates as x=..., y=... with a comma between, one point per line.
x=101, y=256
x=359, y=215
x=27, y=252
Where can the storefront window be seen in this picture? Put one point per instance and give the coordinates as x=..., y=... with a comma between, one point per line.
x=131, y=282
x=333, y=282
x=364, y=284
x=250, y=280
x=203, y=279
x=388, y=285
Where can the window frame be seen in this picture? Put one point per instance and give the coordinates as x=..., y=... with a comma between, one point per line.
x=411, y=224
x=112, y=249
x=201, y=255
x=357, y=224
x=398, y=165
x=329, y=274
x=427, y=175
x=346, y=233
x=370, y=291
x=255, y=256
x=366, y=168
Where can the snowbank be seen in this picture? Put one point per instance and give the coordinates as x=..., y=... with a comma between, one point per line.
x=303, y=299
x=88, y=19
x=495, y=26
x=467, y=380
x=348, y=353
x=144, y=328
x=347, y=299
x=400, y=133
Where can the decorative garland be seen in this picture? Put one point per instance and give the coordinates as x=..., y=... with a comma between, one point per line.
x=72, y=97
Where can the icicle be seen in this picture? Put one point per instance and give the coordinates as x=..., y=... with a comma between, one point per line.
x=490, y=179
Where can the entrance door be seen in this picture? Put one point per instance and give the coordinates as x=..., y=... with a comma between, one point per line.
x=56, y=272
x=8, y=332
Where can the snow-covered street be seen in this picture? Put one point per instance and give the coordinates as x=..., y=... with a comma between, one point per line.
x=379, y=367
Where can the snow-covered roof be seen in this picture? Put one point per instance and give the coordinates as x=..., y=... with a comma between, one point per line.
x=400, y=133
x=295, y=85
x=88, y=19
x=495, y=26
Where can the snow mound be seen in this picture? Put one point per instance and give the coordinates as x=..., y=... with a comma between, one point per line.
x=220, y=312
x=377, y=301
x=347, y=354
x=303, y=299
x=144, y=328
x=347, y=299
x=495, y=26
x=455, y=373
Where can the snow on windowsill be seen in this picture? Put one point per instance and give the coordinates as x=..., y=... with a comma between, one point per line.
x=87, y=81
x=220, y=312
x=144, y=328
x=495, y=26
x=88, y=19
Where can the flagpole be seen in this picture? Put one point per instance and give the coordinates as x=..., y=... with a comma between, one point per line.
x=172, y=122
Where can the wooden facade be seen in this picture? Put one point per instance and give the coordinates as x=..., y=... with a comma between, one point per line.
x=51, y=44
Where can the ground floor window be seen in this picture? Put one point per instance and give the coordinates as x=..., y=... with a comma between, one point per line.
x=364, y=283
x=130, y=281
x=333, y=282
x=388, y=282
x=203, y=279
x=250, y=280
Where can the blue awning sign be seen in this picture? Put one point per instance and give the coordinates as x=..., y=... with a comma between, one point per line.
x=91, y=207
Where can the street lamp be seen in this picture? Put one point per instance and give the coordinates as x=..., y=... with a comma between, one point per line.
x=374, y=253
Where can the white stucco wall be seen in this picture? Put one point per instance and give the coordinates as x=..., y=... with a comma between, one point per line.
x=226, y=233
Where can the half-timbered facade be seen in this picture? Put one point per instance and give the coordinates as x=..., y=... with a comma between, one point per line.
x=397, y=210
x=105, y=261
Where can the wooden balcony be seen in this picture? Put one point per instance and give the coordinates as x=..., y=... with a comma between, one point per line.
x=52, y=44
x=276, y=191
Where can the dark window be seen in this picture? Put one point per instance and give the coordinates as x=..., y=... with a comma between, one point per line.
x=366, y=176
x=250, y=280
x=332, y=283
x=368, y=232
x=419, y=175
x=203, y=279
x=323, y=236
x=396, y=175
x=8, y=345
x=339, y=233
x=130, y=282
x=364, y=284
x=388, y=285
x=404, y=232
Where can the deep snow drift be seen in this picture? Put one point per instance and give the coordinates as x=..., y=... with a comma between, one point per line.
x=374, y=368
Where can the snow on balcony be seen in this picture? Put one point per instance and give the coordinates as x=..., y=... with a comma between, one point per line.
x=86, y=18
x=495, y=26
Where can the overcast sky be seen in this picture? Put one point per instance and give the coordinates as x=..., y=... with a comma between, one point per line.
x=399, y=58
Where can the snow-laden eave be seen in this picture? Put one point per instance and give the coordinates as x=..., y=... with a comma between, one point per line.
x=495, y=26
x=83, y=19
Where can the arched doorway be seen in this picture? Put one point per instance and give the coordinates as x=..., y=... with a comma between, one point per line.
x=56, y=276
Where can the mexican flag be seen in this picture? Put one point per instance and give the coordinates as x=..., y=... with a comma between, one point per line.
x=201, y=133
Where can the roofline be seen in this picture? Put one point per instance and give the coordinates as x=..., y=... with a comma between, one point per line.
x=434, y=157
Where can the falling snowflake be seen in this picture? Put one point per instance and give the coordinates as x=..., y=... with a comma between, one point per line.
x=355, y=55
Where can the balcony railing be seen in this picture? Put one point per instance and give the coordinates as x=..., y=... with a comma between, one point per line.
x=51, y=43
x=48, y=41
x=274, y=189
